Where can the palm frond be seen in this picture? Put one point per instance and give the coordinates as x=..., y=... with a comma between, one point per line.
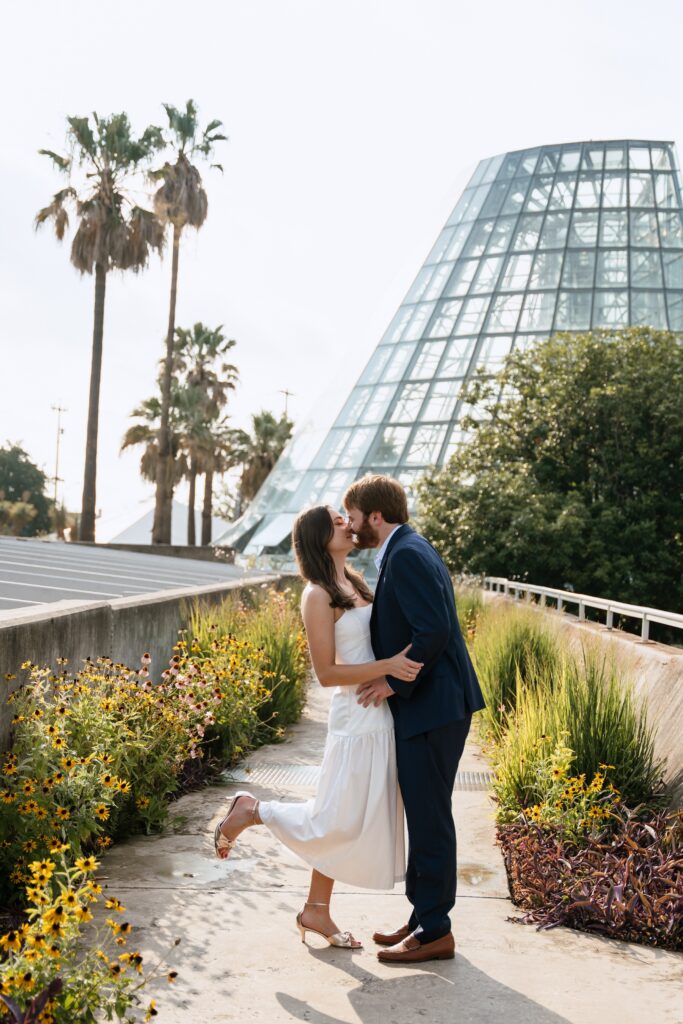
x=62, y=162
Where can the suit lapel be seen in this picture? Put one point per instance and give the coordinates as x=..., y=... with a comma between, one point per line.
x=401, y=532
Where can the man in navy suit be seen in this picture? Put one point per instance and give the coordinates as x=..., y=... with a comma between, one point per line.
x=414, y=605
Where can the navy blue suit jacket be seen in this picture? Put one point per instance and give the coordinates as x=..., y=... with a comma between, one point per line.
x=414, y=604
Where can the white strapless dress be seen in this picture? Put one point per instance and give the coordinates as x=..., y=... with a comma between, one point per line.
x=352, y=830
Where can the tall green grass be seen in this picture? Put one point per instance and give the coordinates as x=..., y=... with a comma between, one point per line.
x=512, y=648
x=470, y=606
x=270, y=620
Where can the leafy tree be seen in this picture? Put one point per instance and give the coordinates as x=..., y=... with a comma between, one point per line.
x=24, y=507
x=113, y=233
x=576, y=478
x=179, y=202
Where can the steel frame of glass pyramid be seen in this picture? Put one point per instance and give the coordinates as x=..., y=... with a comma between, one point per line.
x=557, y=238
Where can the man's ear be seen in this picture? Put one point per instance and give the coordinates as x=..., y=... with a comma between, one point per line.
x=376, y=518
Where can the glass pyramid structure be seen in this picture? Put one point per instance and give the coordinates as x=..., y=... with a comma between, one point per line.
x=557, y=238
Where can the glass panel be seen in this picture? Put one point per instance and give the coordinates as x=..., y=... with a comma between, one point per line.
x=444, y=321
x=440, y=246
x=388, y=446
x=420, y=284
x=526, y=236
x=584, y=229
x=660, y=158
x=504, y=313
x=333, y=447
x=428, y=360
x=539, y=195
x=475, y=206
x=563, y=192
x=441, y=402
x=546, y=272
x=549, y=161
x=671, y=229
x=472, y=316
x=516, y=195
x=569, y=161
x=492, y=353
x=459, y=208
x=642, y=191
x=644, y=229
x=554, y=234
x=408, y=403
x=673, y=269
x=353, y=407
x=492, y=168
x=399, y=361
x=610, y=309
x=614, y=190
x=461, y=278
x=674, y=301
x=593, y=158
x=439, y=278
x=375, y=410
x=665, y=190
x=516, y=273
x=509, y=166
x=375, y=367
x=573, y=311
x=528, y=164
x=612, y=267
x=614, y=227
x=646, y=269
x=457, y=358
x=588, y=191
x=501, y=234
x=494, y=201
x=537, y=314
x=479, y=173
x=648, y=308
x=426, y=445
x=639, y=157
x=354, y=450
x=489, y=270
x=457, y=243
x=579, y=268
x=478, y=240
x=398, y=324
x=615, y=156
x=417, y=324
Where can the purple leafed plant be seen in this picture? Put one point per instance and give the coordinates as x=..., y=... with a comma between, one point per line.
x=34, y=1009
x=625, y=882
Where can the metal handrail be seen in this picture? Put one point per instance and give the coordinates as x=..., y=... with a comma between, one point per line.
x=501, y=585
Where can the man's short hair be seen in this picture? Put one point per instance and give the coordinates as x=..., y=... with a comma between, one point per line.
x=378, y=494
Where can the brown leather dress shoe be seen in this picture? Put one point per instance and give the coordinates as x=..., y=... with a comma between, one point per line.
x=410, y=951
x=391, y=938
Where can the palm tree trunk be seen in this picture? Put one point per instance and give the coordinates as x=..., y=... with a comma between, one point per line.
x=207, y=507
x=87, y=525
x=191, y=538
x=161, y=531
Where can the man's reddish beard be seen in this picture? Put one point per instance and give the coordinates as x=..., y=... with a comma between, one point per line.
x=366, y=536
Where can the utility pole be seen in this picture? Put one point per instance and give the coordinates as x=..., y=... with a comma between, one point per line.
x=59, y=409
x=288, y=395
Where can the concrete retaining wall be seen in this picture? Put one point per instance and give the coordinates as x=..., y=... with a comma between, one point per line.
x=122, y=629
x=655, y=672
x=208, y=553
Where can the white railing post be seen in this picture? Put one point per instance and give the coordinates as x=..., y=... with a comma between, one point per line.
x=582, y=612
x=610, y=618
x=645, y=631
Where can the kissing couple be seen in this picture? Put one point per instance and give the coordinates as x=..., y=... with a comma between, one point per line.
x=404, y=694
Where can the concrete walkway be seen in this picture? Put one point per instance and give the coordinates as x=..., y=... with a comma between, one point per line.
x=241, y=958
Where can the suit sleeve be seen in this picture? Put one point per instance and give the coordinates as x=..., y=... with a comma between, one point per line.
x=420, y=593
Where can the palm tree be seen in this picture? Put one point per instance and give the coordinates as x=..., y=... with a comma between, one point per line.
x=258, y=452
x=199, y=355
x=180, y=202
x=218, y=458
x=113, y=233
x=145, y=434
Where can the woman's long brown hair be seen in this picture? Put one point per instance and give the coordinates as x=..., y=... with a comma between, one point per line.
x=311, y=534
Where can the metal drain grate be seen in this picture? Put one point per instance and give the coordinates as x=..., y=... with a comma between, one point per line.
x=307, y=775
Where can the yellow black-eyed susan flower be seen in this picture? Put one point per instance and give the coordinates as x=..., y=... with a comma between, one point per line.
x=87, y=864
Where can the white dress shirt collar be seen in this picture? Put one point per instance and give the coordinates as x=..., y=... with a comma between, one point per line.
x=380, y=554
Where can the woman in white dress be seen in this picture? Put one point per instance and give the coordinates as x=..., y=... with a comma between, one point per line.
x=352, y=830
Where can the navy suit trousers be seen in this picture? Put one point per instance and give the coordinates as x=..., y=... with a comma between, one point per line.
x=427, y=765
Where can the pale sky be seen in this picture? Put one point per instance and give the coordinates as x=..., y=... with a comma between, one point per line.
x=353, y=127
